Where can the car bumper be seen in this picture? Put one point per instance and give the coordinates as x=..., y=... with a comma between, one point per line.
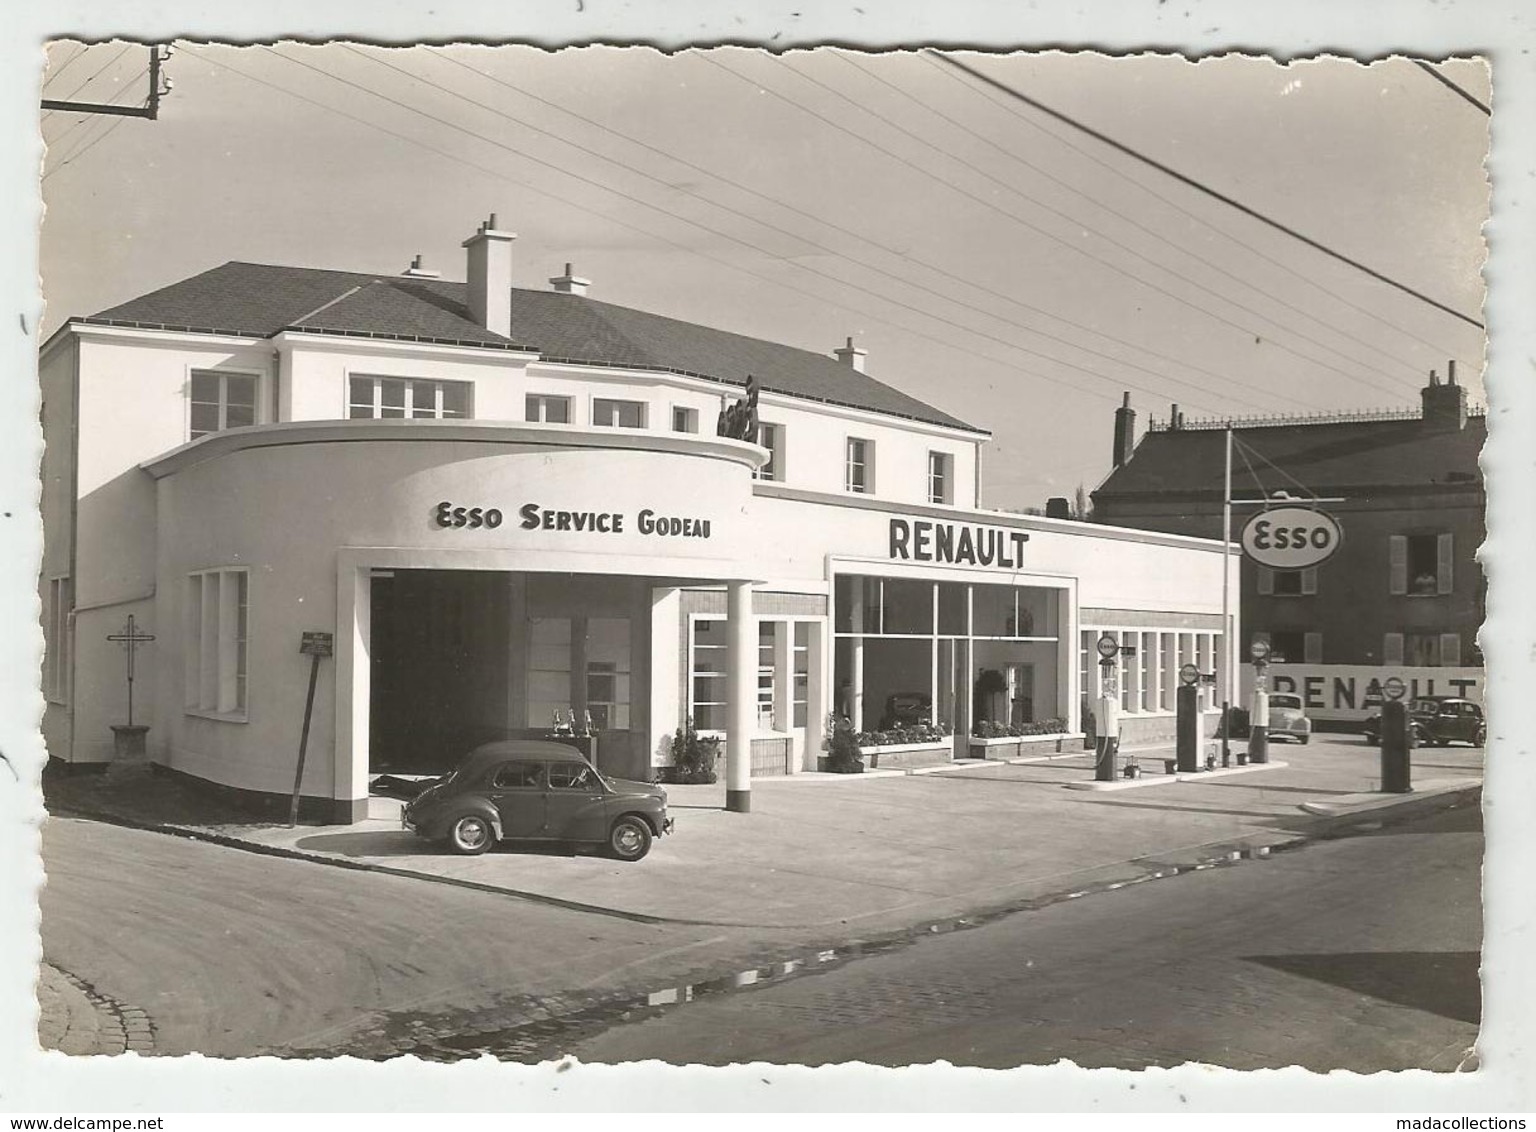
x=668, y=825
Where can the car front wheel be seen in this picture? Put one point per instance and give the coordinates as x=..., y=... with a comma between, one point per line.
x=470, y=834
x=630, y=838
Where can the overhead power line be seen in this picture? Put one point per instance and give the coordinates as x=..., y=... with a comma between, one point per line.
x=1438, y=77
x=1179, y=249
x=1118, y=171
x=723, y=234
x=564, y=201
x=905, y=258
x=907, y=164
x=1206, y=189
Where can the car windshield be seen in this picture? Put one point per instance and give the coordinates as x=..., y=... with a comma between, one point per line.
x=1285, y=701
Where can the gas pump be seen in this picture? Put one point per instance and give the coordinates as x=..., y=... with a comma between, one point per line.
x=1258, y=715
x=1107, y=740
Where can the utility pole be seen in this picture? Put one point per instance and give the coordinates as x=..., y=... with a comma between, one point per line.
x=151, y=107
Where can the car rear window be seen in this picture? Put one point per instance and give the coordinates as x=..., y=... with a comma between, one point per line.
x=1285, y=701
x=521, y=774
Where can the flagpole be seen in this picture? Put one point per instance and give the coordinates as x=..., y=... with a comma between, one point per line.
x=1226, y=604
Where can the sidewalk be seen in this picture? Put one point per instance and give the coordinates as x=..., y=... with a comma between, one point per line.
x=865, y=854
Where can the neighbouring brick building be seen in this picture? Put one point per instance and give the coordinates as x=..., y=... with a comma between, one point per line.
x=1404, y=589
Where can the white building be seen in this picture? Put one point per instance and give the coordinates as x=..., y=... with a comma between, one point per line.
x=505, y=503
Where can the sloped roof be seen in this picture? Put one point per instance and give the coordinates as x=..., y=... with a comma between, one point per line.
x=1326, y=457
x=261, y=300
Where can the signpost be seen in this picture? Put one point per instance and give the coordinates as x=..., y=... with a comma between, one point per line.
x=1107, y=741
x=314, y=646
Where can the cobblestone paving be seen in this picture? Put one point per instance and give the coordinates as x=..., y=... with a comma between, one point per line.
x=75, y=1018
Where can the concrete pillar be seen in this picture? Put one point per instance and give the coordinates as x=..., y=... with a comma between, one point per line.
x=741, y=683
x=818, y=692
x=783, y=675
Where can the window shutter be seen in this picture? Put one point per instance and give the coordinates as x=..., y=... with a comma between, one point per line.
x=1312, y=648
x=1309, y=580
x=1444, y=553
x=1392, y=648
x=1450, y=648
x=1397, y=552
x=1266, y=580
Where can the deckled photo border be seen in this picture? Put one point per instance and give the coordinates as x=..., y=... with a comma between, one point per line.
x=31, y=1081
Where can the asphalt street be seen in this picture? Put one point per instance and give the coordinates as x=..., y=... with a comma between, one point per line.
x=1360, y=954
x=232, y=953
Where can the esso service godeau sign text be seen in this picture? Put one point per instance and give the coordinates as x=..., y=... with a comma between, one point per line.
x=1291, y=538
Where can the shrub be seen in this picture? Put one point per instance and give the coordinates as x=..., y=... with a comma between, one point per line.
x=693, y=756
x=843, y=753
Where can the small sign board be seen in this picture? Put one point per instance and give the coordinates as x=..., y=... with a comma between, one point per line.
x=1393, y=688
x=1291, y=538
x=1259, y=650
x=315, y=644
x=1107, y=646
x=1189, y=674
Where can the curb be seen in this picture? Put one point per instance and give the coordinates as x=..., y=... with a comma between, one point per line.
x=1179, y=776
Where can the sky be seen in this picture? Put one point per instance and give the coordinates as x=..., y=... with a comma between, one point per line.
x=997, y=262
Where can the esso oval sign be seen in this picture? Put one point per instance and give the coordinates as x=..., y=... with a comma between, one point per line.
x=1291, y=538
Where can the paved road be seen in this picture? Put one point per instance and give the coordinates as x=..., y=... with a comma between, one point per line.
x=1358, y=954
x=232, y=953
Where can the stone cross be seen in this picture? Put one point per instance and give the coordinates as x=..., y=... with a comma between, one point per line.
x=131, y=638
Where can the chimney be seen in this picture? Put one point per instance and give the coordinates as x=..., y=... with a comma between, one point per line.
x=569, y=284
x=1058, y=507
x=416, y=271
x=1174, y=420
x=851, y=355
x=1444, y=405
x=1125, y=432
x=488, y=277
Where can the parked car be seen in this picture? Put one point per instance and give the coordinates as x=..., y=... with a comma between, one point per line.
x=535, y=790
x=1434, y=721
x=906, y=709
x=1288, y=719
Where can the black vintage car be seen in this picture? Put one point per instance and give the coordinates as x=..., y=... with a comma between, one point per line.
x=531, y=790
x=1434, y=721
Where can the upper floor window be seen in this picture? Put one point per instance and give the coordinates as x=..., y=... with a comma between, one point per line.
x=221, y=400
x=1422, y=650
x=771, y=437
x=1287, y=583
x=215, y=645
x=941, y=477
x=543, y=408
x=373, y=398
x=1421, y=565
x=860, y=465
x=684, y=419
x=608, y=413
